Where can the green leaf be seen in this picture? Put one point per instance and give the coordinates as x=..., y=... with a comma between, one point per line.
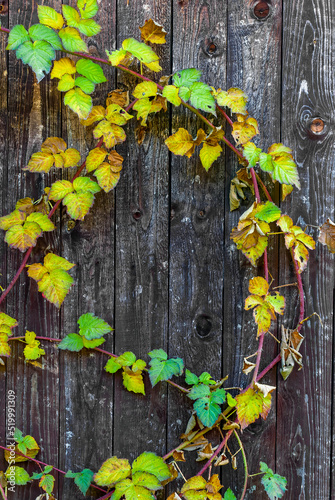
x=84, y=84
x=78, y=204
x=207, y=411
x=170, y=92
x=163, y=369
x=229, y=495
x=72, y=342
x=186, y=77
x=42, y=220
x=206, y=378
x=131, y=491
x=274, y=484
x=21, y=475
x=91, y=70
x=41, y=32
x=140, y=50
x=85, y=184
x=60, y=189
x=184, y=93
x=201, y=97
x=285, y=171
x=71, y=15
x=251, y=153
x=159, y=354
x=88, y=8
x=208, y=155
x=265, y=162
x=82, y=479
x=145, y=89
x=151, y=463
x=190, y=378
x=38, y=55
x=269, y=212
x=112, y=365
x=72, y=40
x=199, y=391
x=79, y=102
x=47, y=483
x=92, y=327
x=112, y=470
x=116, y=57
x=66, y=83
x=126, y=359
x=50, y=17
x=147, y=480
x=231, y=401
x=17, y=36
x=89, y=27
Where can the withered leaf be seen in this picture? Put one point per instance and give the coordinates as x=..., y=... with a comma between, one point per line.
x=174, y=473
x=206, y=452
x=327, y=235
x=118, y=96
x=153, y=32
x=221, y=460
x=247, y=366
x=179, y=456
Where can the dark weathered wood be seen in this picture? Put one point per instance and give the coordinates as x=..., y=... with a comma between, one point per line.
x=197, y=213
x=304, y=404
x=253, y=50
x=86, y=420
x=141, y=260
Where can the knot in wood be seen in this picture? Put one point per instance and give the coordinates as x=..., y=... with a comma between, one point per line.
x=317, y=126
x=3, y=7
x=203, y=325
x=137, y=214
x=261, y=10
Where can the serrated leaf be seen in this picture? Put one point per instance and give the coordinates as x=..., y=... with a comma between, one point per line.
x=133, y=381
x=82, y=479
x=42, y=220
x=258, y=286
x=286, y=190
x=85, y=184
x=164, y=369
x=159, y=354
x=7, y=320
x=112, y=366
x=170, y=92
x=92, y=327
x=131, y=491
x=23, y=237
x=251, y=153
x=277, y=302
x=199, y=391
x=72, y=342
x=147, y=480
x=79, y=102
x=186, y=77
x=90, y=70
x=190, y=378
x=229, y=495
x=60, y=189
x=326, y=236
x=55, y=285
x=89, y=27
x=31, y=352
x=41, y=32
x=269, y=212
x=40, y=162
x=140, y=50
x=72, y=40
x=112, y=470
x=71, y=15
x=181, y=143
x=153, y=464
x=206, y=378
x=47, y=483
x=88, y=8
x=95, y=158
x=50, y=17
x=71, y=157
x=65, y=83
x=117, y=115
x=126, y=359
x=62, y=67
x=107, y=179
x=38, y=55
x=17, y=36
x=117, y=56
x=53, y=262
x=184, y=93
x=201, y=97
x=274, y=484
x=112, y=134
x=208, y=155
x=250, y=406
x=145, y=89
x=91, y=344
x=233, y=98
x=153, y=32
x=244, y=129
x=194, y=483
x=14, y=218
x=21, y=476
x=97, y=113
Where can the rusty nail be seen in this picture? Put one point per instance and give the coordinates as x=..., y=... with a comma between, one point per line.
x=261, y=10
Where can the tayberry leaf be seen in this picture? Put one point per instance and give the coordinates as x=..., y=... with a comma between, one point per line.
x=186, y=77
x=207, y=408
x=112, y=366
x=145, y=89
x=251, y=153
x=60, y=189
x=133, y=381
x=162, y=368
x=71, y=15
x=297, y=240
x=244, y=129
x=82, y=479
x=170, y=92
x=32, y=350
x=107, y=177
x=88, y=8
x=147, y=480
x=229, y=495
x=17, y=36
x=72, y=342
x=66, y=83
x=153, y=464
x=251, y=405
x=233, y=98
x=92, y=327
x=199, y=391
x=190, y=378
x=117, y=115
x=95, y=158
x=118, y=56
x=112, y=134
x=274, y=484
x=38, y=55
x=184, y=93
x=47, y=483
x=91, y=70
x=72, y=40
x=79, y=102
x=327, y=235
x=201, y=97
x=278, y=161
x=153, y=32
x=41, y=32
x=269, y=212
x=21, y=476
x=85, y=85
x=64, y=66
x=208, y=155
x=140, y=50
x=23, y=237
x=112, y=470
x=50, y=17
x=181, y=143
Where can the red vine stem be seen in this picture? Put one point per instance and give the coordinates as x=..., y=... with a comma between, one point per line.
x=215, y=454
x=266, y=192
x=3, y=492
x=268, y=368
x=301, y=291
x=43, y=463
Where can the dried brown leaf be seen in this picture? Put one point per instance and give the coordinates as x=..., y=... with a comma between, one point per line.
x=118, y=96
x=327, y=235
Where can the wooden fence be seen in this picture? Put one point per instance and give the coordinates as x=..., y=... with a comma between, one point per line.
x=154, y=258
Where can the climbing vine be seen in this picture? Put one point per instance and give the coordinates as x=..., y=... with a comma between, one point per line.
x=215, y=406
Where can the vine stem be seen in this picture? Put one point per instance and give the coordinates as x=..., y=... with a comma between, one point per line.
x=259, y=355
x=301, y=291
x=215, y=454
x=108, y=495
x=245, y=463
x=266, y=192
x=3, y=494
x=43, y=463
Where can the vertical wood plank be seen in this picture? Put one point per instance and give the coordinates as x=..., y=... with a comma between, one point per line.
x=304, y=403
x=253, y=50
x=141, y=296
x=197, y=218
x=86, y=396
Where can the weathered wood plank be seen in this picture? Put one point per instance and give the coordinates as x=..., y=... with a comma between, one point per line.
x=197, y=213
x=141, y=289
x=304, y=405
x=86, y=419
x=253, y=50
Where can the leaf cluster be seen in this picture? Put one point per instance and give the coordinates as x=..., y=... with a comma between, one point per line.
x=132, y=369
x=90, y=335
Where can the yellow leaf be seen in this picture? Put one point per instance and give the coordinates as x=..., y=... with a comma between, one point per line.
x=251, y=405
x=107, y=179
x=15, y=218
x=71, y=157
x=53, y=145
x=36, y=271
x=133, y=381
x=145, y=89
x=79, y=102
x=208, y=154
x=112, y=134
x=244, y=131
x=95, y=158
x=60, y=189
x=286, y=190
x=115, y=159
x=181, y=143
x=23, y=237
x=40, y=162
x=153, y=32
x=116, y=114
x=64, y=66
x=78, y=204
x=98, y=113
x=65, y=83
x=234, y=98
x=258, y=286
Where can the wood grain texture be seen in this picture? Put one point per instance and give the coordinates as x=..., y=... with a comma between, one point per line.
x=141, y=260
x=304, y=402
x=197, y=218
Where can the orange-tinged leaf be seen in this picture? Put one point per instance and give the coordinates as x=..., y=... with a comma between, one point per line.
x=118, y=96
x=78, y=204
x=214, y=485
x=178, y=456
x=107, y=179
x=64, y=66
x=233, y=98
x=181, y=143
x=112, y=134
x=248, y=366
x=327, y=235
x=25, y=205
x=95, y=158
x=115, y=159
x=153, y=32
x=53, y=145
x=23, y=237
x=286, y=190
x=55, y=286
x=40, y=162
x=15, y=218
x=60, y=189
x=244, y=131
x=71, y=157
x=251, y=405
x=258, y=286
x=98, y=113
x=263, y=315
x=36, y=271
